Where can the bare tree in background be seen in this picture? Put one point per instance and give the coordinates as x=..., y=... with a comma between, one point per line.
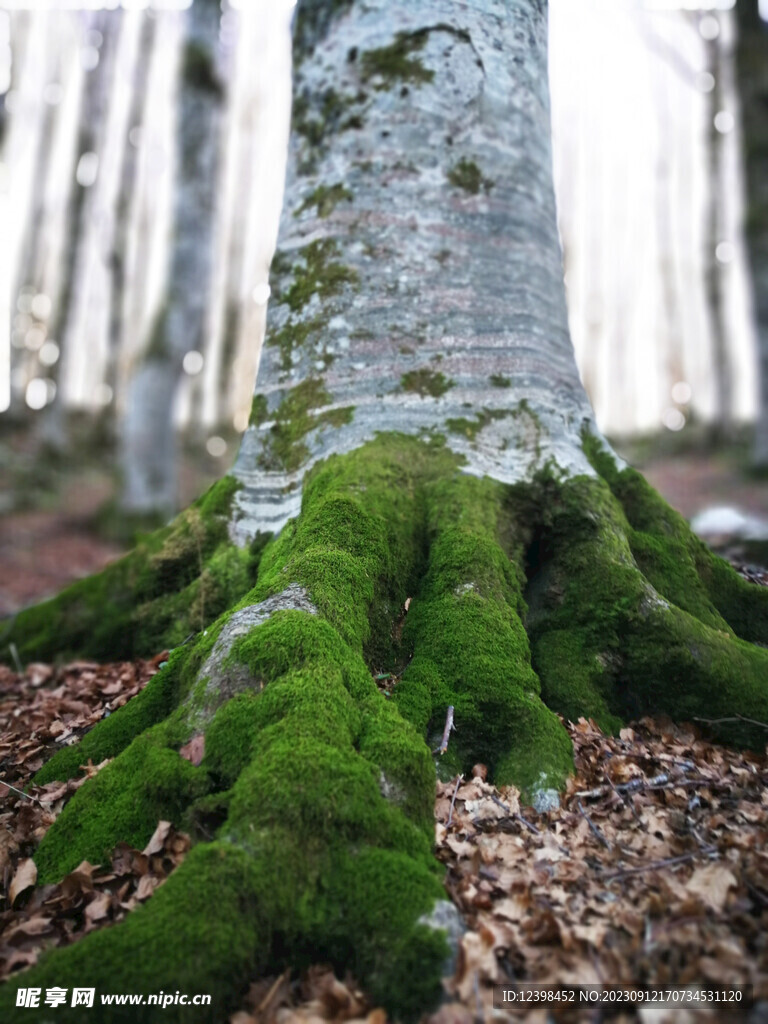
x=147, y=433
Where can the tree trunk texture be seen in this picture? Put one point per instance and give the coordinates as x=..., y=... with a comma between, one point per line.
x=118, y=320
x=418, y=396
x=84, y=206
x=148, y=437
x=752, y=67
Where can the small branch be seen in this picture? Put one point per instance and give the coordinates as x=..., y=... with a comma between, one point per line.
x=516, y=816
x=449, y=726
x=593, y=827
x=16, y=658
x=654, y=865
x=21, y=792
x=732, y=718
x=459, y=781
x=625, y=798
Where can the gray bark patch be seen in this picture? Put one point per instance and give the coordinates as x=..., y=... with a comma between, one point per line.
x=223, y=681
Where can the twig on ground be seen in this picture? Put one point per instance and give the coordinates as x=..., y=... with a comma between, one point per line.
x=21, y=792
x=593, y=827
x=459, y=781
x=16, y=658
x=654, y=865
x=517, y=816
x=626, y=798
x=732, y=718
x=446, y=731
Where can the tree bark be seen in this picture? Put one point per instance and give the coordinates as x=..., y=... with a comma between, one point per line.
x=148, y=441
x=544, y=576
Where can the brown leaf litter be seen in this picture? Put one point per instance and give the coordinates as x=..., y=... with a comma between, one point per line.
x=654, y=870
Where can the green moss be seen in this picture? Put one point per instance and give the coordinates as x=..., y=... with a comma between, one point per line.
x=292, y=336
x=396, y=63
x=467, y=175
x=471, y=428
x=285, y=447
x=144, y=602
x=313, y=118
x=325, y=199
x=617, y=633
x=259, y=411
x=146, y=783
x=319, y=274
x=171, y=943
x=426, y=382
x=471, y=650
x=499, y=381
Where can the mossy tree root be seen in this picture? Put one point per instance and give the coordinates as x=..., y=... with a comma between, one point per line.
x=178, y=580
x=312, y=807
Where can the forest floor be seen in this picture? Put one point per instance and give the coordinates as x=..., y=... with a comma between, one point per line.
x=654, y=871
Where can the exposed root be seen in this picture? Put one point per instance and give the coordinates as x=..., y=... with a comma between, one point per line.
x=322, y=788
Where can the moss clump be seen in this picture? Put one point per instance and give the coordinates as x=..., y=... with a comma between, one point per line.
x=470, y=648
x=285, y=447
x=325, y=199
x=396, y=63
x=426, y=382
x=146, y=783
x=319, y=274
x=314, y=118
x=322, y=786
x=147, y=600
x=468, y=176
x=498, y=380
x=607, y=638
x=292, y=336
x=471, y=428
x=259, y=411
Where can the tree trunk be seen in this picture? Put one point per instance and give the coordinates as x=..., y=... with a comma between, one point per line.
x=419, y=415
x=148, y=439
x=752, y=67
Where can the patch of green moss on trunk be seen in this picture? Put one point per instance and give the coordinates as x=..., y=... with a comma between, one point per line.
x=468, y=176
x=284, y=446
x=426, y=382
x=395, y=63
x=318, y=274
x=470, y=428
x=325, y=199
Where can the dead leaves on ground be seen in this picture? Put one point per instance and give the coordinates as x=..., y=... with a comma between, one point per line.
x=87, y=898
x=45, y=707
x=655, y=870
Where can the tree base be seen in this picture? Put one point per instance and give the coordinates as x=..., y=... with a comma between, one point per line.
x=312, y=807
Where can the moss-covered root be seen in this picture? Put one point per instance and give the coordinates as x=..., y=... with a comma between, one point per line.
x=176, y=581
x=471, y=650
x=323, y=793
x=311, y=780
x=624, y=619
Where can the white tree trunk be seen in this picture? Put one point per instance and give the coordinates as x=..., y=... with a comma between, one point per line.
x=418, y=285
x=148, y=441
